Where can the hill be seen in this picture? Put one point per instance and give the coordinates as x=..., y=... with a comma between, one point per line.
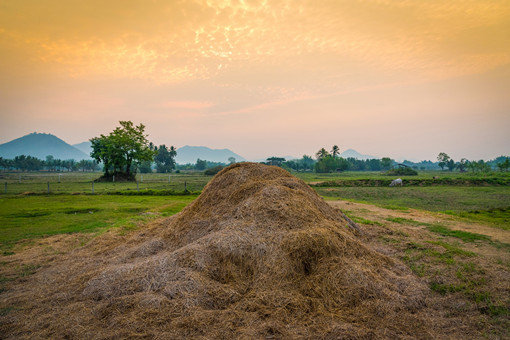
x=40, y=145
x=85, y=147
x=350, y=153
x=189, y=154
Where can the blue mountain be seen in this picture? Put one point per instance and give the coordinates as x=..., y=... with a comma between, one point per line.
x=350, y=153
x=190, y=154
x=40, y=145
x=85, y=147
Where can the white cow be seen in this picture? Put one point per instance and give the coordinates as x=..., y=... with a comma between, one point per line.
x=396, y=182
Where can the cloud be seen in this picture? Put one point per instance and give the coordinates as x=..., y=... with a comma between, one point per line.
x=168, y=42
x=186, y=105
x=238, y=64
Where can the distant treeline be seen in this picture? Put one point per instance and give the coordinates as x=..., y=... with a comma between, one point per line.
x=202, y=164
x=330, y=162
x=324, y=163
x=29, y=163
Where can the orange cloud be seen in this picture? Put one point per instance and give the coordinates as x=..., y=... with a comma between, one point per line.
x=175, y=42
x=186, y=105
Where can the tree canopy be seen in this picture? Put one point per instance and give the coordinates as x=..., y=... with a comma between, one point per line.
x=443, y=159
x=335, y=151
x=123, y=148
x=275, y=161
x=322, y=153
x=165, y=158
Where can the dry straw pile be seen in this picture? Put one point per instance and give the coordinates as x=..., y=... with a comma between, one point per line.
x=258, y=255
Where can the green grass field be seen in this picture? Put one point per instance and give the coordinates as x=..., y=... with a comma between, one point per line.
x=487, y=204
x=81, y=182
x=27, y=211
x=28, y=217
x=377, y=175
x=445, y=258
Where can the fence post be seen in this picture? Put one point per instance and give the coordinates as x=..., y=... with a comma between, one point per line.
x=19, y=179
x=168, y=178
x=137, y=186
x=92, y=186
x=48, y=187
x=113, y=178
x=59, y=178
x=5, y=187
x=185, y=186
x=142, y=178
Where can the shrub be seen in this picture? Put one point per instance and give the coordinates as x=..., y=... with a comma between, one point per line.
x=213, y=171
x=402, y=172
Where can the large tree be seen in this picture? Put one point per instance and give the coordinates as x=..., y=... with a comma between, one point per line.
x=330, y=164
x=386, y=163
x=443, y=159
x=322, y=153
x=165, y=161
x=201, y=164
x=451, y=164
x=335, y=151
x=307, y=162
x=123, y=148
x=278, y=161
x=462, y=164
x=504, y=166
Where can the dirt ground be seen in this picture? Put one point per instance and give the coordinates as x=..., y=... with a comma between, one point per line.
x=459, y=308
x=375, y=213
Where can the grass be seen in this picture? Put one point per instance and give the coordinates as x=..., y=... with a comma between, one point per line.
x=440, y=260
x=402, y=220
x=362, y=220
x=450, y=270
x=422, y=175
x=442, y=252
x=29, y=217
x=485, y=204
x=68, y=182
x=452, y=249
x=453, y=199
x=463, y=235
x=81, y=182
x=499, y=217
x=424, y=178
x=483, y=299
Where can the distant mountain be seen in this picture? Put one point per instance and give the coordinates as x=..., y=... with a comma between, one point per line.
x=190, y=154
x=40, y=145
x=350, y=153
x=85, y=147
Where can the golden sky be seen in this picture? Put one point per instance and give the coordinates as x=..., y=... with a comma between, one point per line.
x=398, y=78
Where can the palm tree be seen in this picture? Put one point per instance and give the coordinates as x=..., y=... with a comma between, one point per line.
x=322, y=153
x=335, y=151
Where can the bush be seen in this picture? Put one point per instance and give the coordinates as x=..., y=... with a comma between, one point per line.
x=402, y=172
x=213, y=171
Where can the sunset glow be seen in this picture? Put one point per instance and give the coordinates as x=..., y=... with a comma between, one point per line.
x=405, y=79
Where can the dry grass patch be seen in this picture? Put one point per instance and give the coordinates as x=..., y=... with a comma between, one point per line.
x=467, y=273
x=258, y=255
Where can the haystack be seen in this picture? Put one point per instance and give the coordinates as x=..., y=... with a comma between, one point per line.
x=257, y=255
